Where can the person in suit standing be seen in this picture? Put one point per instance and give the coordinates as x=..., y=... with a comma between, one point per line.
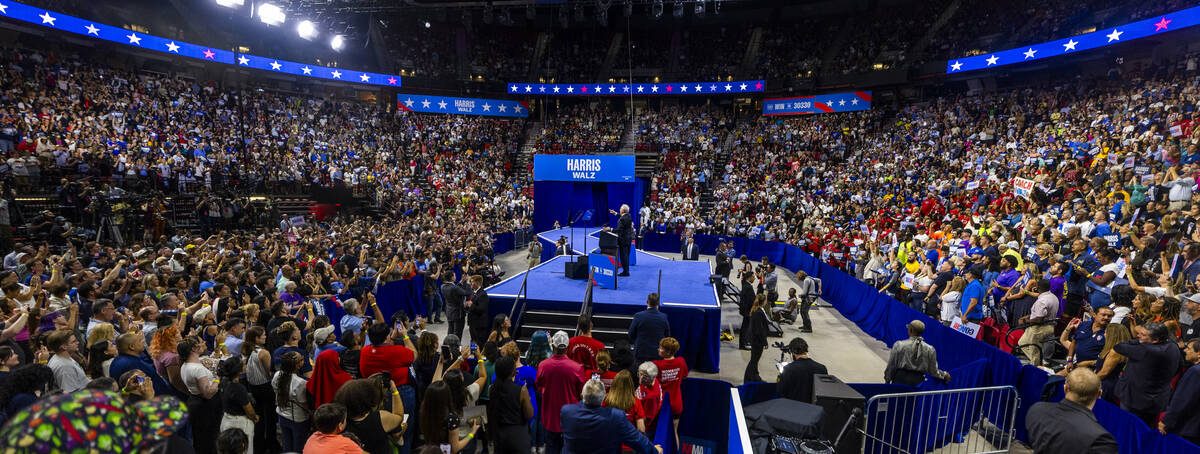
x=796, y=381
x=746, y=302
x=477, y=311
x=758, y=338
x=1182, y=418
x=647, y=329
x=624, y=238
x=590, y=427
x=1069, y=426
x=690, y=250
x=454, y=295
x=723, y=262
x=1145, y=386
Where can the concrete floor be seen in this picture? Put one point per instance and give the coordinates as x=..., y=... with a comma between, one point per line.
x=845, y=350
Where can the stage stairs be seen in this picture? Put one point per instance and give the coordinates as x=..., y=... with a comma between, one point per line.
x=606, y=328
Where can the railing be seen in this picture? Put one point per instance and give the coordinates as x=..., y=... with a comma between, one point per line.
x=970, y=421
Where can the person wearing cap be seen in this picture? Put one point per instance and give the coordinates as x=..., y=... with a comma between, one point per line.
x=178, y=260
x=590, y=427
x=1191, y=307
x=560, y=380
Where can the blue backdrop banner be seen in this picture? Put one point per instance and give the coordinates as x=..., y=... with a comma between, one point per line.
x=831, y=103
x=96, y=30
x=1078, y=43
x=639, y=89
x=591, y=168
x=462, y=106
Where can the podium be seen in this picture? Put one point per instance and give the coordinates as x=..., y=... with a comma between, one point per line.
x=608, y=243
x=604, y=269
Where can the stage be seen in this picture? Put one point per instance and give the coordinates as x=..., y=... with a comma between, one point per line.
x=686, y=296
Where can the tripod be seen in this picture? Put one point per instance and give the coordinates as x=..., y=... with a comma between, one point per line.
x=107, y=227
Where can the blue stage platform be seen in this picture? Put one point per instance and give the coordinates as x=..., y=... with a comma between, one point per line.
x=687, y=297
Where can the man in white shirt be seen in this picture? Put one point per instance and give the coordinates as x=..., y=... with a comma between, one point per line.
x=1042, y=315
x=68, y=375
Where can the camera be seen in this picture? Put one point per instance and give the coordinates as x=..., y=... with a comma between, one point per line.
x=782, y=346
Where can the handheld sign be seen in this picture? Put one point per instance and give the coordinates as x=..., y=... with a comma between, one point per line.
x=970, y=329
x=1022, y=187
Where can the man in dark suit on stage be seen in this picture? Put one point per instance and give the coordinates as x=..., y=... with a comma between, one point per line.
x=624, y=238
x=454, y=295
x=1069, y=426
x=690, y=250
x=477, y=311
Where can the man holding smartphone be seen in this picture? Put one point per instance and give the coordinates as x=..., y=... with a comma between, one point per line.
x=392, y=352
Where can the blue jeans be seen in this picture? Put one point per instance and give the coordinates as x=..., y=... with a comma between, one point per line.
x=295, y=434
x=408, y=395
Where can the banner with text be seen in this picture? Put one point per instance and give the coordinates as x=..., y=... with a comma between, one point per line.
x=1023, y=187
x=831, y=103
x=593, y=168
x=462, y=106
x=638, y=89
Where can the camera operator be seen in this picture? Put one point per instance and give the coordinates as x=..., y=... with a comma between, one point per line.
x=796, y=381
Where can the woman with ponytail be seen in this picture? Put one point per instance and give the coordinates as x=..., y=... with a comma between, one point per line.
x=235, y=400
x=258, y=379
x=204, y=412
x=291, y=402
x=289, y=334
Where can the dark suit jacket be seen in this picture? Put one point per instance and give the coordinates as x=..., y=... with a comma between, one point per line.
x=691, y=252
x=1067, y=428
x=1183, y=414
x=796, y=381
x=625, y=230
x=647, y=329
x=600, y=430
x=454, y=296
x=758, y=328
x=1145, y=385
x=477, y=315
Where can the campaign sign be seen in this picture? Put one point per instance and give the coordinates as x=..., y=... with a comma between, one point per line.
x=1022, y=187
x=973, y=185
x=831, y=103
x=462, y=106
x=592, y=168
x=970, y=329
x=604, y=270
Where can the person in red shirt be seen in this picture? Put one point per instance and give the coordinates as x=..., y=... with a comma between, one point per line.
x=603, y=364
x=649, y=393
x=621, y=397
x=671, y=372
x=560, y=381
x=391, y=351
x=583, y=348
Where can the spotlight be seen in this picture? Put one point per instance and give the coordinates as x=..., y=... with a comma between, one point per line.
x=699, y=8
x=307, y=30
x=426, y=24
x=270, y=14
x=232, y=3
x=337, y=43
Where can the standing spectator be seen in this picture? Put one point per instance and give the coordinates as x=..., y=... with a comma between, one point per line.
x=327, y=377
x=354, y=319
x=973, y=298
x=647, y=329
x=770, y=283
x=559, y=379
x=501, y=326
x=588, y=427
x=583, y=347
x=671, y=372
x=454, y=295
x=1181, y=417
x=534, y=256
x=258, y=381
x=649, y=394
x=810, y=290
x=796, y=381
x=912, y=359
x=204, y=412
x=1085, y=340
x=1145, y=386
x=392, y=351
x=509, y=408
x=330, y=421
x=746, y=303
x=1041, y=317
x=1069, y=426
x=621, y=397
x=477, y=311
x=375, y=428
x=291, y=402
x=445, y=427
x=757, y=337
x=235, y=399
x=68, y=375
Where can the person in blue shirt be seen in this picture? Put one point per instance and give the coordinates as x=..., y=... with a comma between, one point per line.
x=647, y=329
x=973, y=298
x=129, y=350
x=1082, y=265
x=589, y=427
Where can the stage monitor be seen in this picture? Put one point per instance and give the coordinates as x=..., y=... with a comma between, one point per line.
x=584, y=168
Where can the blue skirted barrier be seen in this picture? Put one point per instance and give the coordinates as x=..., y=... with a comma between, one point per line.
x=970, y=362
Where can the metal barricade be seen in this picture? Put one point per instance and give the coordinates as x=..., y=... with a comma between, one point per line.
x=968, y=421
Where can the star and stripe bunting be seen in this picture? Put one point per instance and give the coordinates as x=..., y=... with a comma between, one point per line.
x=638, y=89
x=806, y=105
x=462, y=106
x=50, y=19
x=1100, y=38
